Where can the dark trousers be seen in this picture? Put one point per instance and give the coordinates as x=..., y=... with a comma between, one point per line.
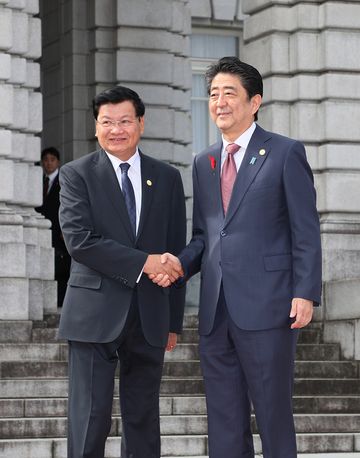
x=62, y=273
x=239, y=366
x=91, y=385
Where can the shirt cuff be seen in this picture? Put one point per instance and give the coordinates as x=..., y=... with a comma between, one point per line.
x=138, y=279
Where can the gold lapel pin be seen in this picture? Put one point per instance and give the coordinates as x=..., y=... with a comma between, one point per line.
x=262, y=152
x=149, y=182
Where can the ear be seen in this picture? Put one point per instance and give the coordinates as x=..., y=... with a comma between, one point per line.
x=142, y=124
x=256, y=102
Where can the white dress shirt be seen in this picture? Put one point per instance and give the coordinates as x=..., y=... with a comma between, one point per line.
x=134, y=174
x=52, y=177
x=243, y=142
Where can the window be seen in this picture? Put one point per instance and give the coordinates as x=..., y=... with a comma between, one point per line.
x=205, y=49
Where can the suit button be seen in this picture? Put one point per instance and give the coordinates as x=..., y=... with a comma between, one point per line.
x=222, y=233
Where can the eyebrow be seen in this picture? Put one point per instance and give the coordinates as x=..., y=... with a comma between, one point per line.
x=224, y=87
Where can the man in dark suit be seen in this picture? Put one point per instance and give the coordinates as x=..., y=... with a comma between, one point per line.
x=50, y=162
x=118, y=209
x=256, y=241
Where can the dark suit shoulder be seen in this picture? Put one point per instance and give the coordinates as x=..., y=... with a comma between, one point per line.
x=84, y=161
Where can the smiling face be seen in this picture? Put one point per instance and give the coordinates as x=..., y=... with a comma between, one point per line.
x=123, y=135
x=230, y=107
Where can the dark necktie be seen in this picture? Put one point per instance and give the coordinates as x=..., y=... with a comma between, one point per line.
x=129, y=195
x=228, y=175
x=45, y=187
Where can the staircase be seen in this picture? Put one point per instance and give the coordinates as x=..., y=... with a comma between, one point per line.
x=33, y=393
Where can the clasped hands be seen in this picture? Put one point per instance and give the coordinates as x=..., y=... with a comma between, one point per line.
x=163, y=269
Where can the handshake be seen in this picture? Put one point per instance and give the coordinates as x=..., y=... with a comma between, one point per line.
x=163, y=269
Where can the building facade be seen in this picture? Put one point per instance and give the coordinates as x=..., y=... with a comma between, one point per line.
x=56, y=55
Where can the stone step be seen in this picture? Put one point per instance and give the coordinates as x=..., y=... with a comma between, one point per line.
x=189, y=335
x=327, y=369
x=15, y=331
x=318, y=369
x=59, y=351
x=327, y=404
x=327, y=387
x=57, y=387
x=33, y=352
x=186, y=446
x=176, y=405
x=172, y=425
x=44, y=335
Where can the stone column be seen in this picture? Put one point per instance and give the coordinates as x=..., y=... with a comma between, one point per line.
x=26, y=257
x=309, y=56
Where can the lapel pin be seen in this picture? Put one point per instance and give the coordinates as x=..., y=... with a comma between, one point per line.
x=149, y=182
x=253, y=160
x=262, y=152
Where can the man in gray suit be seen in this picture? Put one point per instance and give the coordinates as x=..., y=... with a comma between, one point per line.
x=118, y=209
x=256, y=241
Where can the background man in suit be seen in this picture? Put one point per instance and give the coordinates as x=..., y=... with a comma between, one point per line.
x=50, y=162
x=118, y=208
x=256, y=241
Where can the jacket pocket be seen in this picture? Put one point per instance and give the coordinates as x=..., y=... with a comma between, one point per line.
x=85, y=281
x=278, y=262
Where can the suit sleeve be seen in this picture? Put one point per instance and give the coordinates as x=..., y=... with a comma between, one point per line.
x=106, y=256
x=191, y=256
x=176, y=242
x=304, y=222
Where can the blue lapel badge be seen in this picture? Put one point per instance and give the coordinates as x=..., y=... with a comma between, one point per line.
x=253, y=160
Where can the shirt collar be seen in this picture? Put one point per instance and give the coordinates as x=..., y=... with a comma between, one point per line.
x=53, y=175
x=244, y=138
x=133, y=160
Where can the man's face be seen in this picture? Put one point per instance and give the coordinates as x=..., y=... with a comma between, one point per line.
x=122, y=137
x=229, y=105
x=50, y=163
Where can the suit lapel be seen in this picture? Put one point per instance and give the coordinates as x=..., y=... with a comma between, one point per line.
x=149, y=175
x=212, y=170
x=254, y=158
x=105, y=173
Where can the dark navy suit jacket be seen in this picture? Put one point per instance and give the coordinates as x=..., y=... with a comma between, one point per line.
x=267, y=250
x=107, y=258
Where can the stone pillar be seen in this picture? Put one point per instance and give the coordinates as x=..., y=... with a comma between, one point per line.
x=26, y=257
x=309, y=56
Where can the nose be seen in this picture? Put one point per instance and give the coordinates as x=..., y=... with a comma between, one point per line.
x=117, y=126
x=221, y=100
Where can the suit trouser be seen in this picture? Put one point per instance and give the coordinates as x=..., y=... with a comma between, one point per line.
x=238, y=365
x=91, y=385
